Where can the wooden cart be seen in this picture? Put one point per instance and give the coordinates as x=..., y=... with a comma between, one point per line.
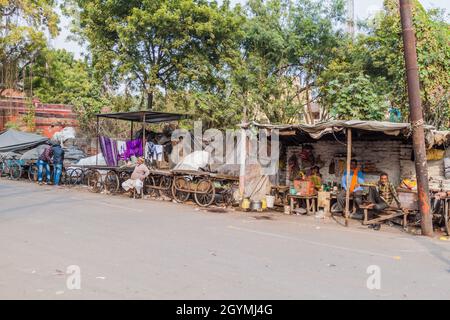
x=203, y=187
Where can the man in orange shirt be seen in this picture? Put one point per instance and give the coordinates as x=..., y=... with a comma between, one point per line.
x=356, y=178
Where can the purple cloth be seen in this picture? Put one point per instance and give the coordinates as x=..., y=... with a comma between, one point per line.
x=109, y=150
x=134, y=148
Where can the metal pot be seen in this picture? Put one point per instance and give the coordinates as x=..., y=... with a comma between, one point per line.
x=255, y=205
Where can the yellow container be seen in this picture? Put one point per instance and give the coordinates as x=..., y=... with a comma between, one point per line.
x=245, y=203
x=264, y=204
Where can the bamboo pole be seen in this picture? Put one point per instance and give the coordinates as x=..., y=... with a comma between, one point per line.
x=143, y=136
x=98, y=137
x=347, y=191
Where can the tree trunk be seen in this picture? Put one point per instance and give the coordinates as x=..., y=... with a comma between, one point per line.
x=150, y=100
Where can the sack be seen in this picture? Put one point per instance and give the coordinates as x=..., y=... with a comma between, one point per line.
x=435, y=154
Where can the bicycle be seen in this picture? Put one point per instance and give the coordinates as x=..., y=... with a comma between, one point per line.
x=10, y=166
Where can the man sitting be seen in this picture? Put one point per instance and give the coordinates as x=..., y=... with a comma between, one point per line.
x=356, y=178
x=382, y=196
x=138, y=176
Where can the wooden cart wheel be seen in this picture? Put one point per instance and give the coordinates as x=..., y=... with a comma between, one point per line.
x=149, y=187
x=165, y=185
x=179, y=184
x=227, y=196
x=111, y=183
x=33, y=173
x=94, y=181
x=124, y=176
x=205, y=192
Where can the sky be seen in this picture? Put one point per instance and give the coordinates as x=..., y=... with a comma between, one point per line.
x=363, y=9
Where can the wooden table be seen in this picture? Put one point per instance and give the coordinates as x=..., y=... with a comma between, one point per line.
x=310, y=203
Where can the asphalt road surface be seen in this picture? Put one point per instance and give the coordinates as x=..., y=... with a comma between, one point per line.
x=54, y=241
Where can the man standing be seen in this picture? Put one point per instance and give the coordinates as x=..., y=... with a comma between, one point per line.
x=58, y=160
x=382, y=196
x=356, y=178
x=44, y=160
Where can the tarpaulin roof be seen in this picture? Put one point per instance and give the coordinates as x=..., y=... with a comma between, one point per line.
x=149, y=116
x=12, y=140
x=317, y=130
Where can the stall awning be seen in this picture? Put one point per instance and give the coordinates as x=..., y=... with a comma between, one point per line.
x=317, y=130
x=12, y=140
x=149, y=116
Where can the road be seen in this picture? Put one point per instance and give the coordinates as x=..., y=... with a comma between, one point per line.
x=147, y=249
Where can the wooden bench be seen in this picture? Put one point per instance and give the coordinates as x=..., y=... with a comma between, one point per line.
x=385, y=215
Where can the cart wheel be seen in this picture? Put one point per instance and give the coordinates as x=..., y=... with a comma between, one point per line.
x=124, y=176
x=205, y=193
x=149, y=187
x=227, y=197
x=180, y=183
x=64, y=179
x=165, y=184
x=111, y=183
x=33, y=173
x=15, y=171
x=94, y=181
x=75, y=176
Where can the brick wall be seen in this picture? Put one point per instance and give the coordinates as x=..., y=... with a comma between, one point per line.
x=49, y=118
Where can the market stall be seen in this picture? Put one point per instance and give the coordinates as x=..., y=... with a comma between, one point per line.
x=329, y=147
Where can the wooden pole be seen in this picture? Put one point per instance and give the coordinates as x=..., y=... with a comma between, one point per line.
x=98, y=136
x=143, y=136
x=131, y=136
x=347, y=191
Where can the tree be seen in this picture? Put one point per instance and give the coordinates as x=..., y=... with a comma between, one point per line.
x=367, y=76
x=157, y=45
x=22, y=36
x=60, y=78
x=287, y=44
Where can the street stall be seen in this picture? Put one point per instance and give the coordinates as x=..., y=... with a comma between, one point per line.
x=116, y=161
x=186, y=179
x=313, y=159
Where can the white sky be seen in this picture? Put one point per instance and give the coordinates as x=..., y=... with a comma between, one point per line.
x=363, y=9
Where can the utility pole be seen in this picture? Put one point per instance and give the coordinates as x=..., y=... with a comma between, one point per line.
x=416, y=116
x=351, y=18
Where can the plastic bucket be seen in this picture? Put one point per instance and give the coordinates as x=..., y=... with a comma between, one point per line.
x=270, y=200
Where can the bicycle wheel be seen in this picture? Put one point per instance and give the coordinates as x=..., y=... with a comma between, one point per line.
x=33, y=172
x=15, y=171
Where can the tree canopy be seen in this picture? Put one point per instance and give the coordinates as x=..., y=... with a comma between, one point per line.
x=267, y=60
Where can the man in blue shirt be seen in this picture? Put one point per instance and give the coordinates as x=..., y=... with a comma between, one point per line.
x=58, y=160
x=356, y=178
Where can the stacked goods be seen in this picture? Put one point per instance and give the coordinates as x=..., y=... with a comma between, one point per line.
x=304, y=187
x=447, y=168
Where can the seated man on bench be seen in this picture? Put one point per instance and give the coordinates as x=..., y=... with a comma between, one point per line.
x=136, y=182
x=382, y=196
